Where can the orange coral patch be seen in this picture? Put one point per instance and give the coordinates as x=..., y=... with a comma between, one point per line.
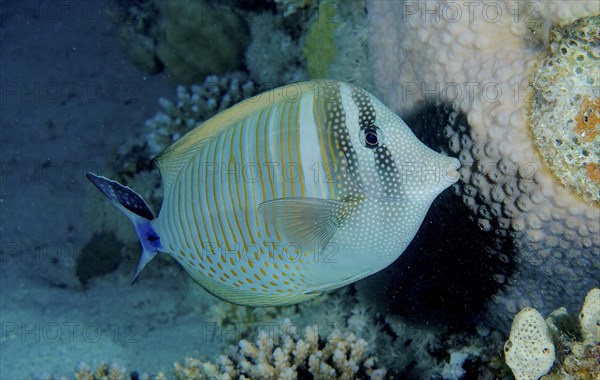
x=592, y=170
x=588, y=120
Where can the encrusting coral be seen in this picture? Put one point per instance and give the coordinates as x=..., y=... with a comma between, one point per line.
x=481, y=61
x=565, y=115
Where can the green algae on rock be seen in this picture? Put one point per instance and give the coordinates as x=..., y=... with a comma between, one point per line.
x=198, y=39
x=565, y=116
x=188, y=39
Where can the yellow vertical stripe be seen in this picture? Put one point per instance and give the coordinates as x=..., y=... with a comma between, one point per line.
x=217, y=186
x=231, y=235
x=233, y=157
x=264, y=142
x=208, y=202
x=199, y=194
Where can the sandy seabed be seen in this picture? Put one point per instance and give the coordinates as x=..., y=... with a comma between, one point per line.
x=69, y=98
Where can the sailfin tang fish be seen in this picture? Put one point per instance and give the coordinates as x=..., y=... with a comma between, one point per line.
x=291, y=193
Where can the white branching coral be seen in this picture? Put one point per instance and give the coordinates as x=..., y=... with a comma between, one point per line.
x=290, y=356
x=480, y=58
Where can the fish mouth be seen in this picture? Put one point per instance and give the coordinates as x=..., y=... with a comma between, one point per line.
x=452, y=167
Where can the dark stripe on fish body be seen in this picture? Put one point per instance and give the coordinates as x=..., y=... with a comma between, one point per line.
x=366, y=111
x=389, y=176
x=384, y=161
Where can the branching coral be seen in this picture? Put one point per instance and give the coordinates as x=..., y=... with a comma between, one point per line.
x=194, y=105
x=108, y=371
x=289, y=356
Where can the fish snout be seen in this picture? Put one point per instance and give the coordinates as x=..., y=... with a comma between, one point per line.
x=452, y=174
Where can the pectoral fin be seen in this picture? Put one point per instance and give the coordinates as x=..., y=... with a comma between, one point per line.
x=308, y=222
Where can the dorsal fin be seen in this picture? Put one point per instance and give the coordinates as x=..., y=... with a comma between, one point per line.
x=172, y=159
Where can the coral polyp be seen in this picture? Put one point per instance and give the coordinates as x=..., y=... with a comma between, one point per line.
x=565, y=117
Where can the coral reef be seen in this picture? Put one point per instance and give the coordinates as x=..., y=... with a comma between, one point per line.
x=582, y=364
x=190, y=39
x=405, y=349
x=565, y=117
x=274, y=56
x=288, y=355
x=104, y=371
x=505, y=183
x=529, y=350
x=578, y=345
x=328, y=39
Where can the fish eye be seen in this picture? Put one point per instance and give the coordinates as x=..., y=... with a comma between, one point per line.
x=371, y=137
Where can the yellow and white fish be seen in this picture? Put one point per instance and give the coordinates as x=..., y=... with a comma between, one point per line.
x=299, y=190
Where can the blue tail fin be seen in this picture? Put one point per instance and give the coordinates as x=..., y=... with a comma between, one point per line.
x=136, y=209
